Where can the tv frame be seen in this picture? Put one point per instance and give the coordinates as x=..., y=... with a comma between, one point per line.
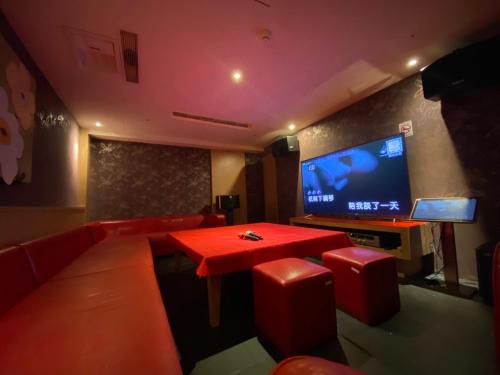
x=362, y=215
x=445, y=221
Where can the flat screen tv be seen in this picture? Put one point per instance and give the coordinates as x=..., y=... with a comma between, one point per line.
x=367, y=180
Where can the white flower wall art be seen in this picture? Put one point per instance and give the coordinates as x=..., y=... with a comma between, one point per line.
x=21, y=93
x=11, y=141
x=19, y=100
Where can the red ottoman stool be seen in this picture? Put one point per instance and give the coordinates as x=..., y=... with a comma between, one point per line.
x=366, y=283
x=304, y=365
x=294, y=303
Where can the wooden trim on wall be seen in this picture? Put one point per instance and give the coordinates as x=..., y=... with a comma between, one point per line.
x=21, y=224
x=16, y=209
x=228, y=177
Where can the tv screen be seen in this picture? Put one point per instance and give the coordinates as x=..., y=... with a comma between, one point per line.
x=369, y=180
x=458, y=210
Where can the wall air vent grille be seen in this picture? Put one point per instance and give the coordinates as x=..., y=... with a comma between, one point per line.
x=130, y=56
x=210, y=120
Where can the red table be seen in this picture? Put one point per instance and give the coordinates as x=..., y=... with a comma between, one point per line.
x=218, y=251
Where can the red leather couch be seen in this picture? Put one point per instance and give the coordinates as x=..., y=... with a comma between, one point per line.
x=155, y=228
x=496, y=297
x=306, y=365
x=86, y=301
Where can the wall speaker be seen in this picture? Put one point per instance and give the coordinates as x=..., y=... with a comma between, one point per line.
x=285, y=145
x=227, y=202
x=473, y=67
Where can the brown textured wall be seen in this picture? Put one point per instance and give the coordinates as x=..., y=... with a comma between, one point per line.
x=473, y=123
x=128, y=179
x=454, y=151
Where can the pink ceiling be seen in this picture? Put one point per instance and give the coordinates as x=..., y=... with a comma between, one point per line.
x=323, y=55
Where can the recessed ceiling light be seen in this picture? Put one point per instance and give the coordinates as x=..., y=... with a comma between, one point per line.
x=291, y=126
x=98, y=124
x=237, y=76
x=412, y=62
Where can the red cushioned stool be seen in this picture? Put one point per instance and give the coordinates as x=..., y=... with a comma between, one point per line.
x=294, y=304
x=304, y=365
x=366, y=283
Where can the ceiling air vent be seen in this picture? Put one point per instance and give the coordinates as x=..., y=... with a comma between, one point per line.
x=93, y=52
x=130, y=56
x=210, y=120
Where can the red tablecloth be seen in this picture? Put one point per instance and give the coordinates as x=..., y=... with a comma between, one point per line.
x=219, y=250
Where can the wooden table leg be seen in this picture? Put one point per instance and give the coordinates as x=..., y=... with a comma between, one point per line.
x=450, y=266
x=214, y=292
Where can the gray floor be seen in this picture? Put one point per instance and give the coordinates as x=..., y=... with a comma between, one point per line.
x=247, y=358
x=433, y=334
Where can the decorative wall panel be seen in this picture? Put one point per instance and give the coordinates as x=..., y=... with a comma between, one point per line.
x=128, y=179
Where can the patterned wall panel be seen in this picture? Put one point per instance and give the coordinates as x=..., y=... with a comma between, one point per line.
x=454, y=151
x=129, y=179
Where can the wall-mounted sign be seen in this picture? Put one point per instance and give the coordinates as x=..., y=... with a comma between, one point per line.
x=406, y=128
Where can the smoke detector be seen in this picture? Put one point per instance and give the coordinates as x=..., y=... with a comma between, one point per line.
x=265, y=34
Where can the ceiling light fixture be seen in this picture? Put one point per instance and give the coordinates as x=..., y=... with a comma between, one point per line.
x=237, y=76
x=291, y=126
x=98, y=124
x=412, y=62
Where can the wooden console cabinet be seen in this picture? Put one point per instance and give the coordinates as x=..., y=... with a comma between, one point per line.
x=409, y=240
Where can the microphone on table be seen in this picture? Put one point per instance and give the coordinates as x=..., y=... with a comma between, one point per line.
x=248, y=236
x=252, y=233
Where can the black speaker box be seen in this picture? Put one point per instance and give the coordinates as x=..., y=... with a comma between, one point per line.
x=472, y=67
x=285, y=145
x=227, y=202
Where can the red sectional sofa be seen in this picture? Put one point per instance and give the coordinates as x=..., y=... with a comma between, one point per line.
x=496, y=298
x=155, y=228
x=86, y=301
